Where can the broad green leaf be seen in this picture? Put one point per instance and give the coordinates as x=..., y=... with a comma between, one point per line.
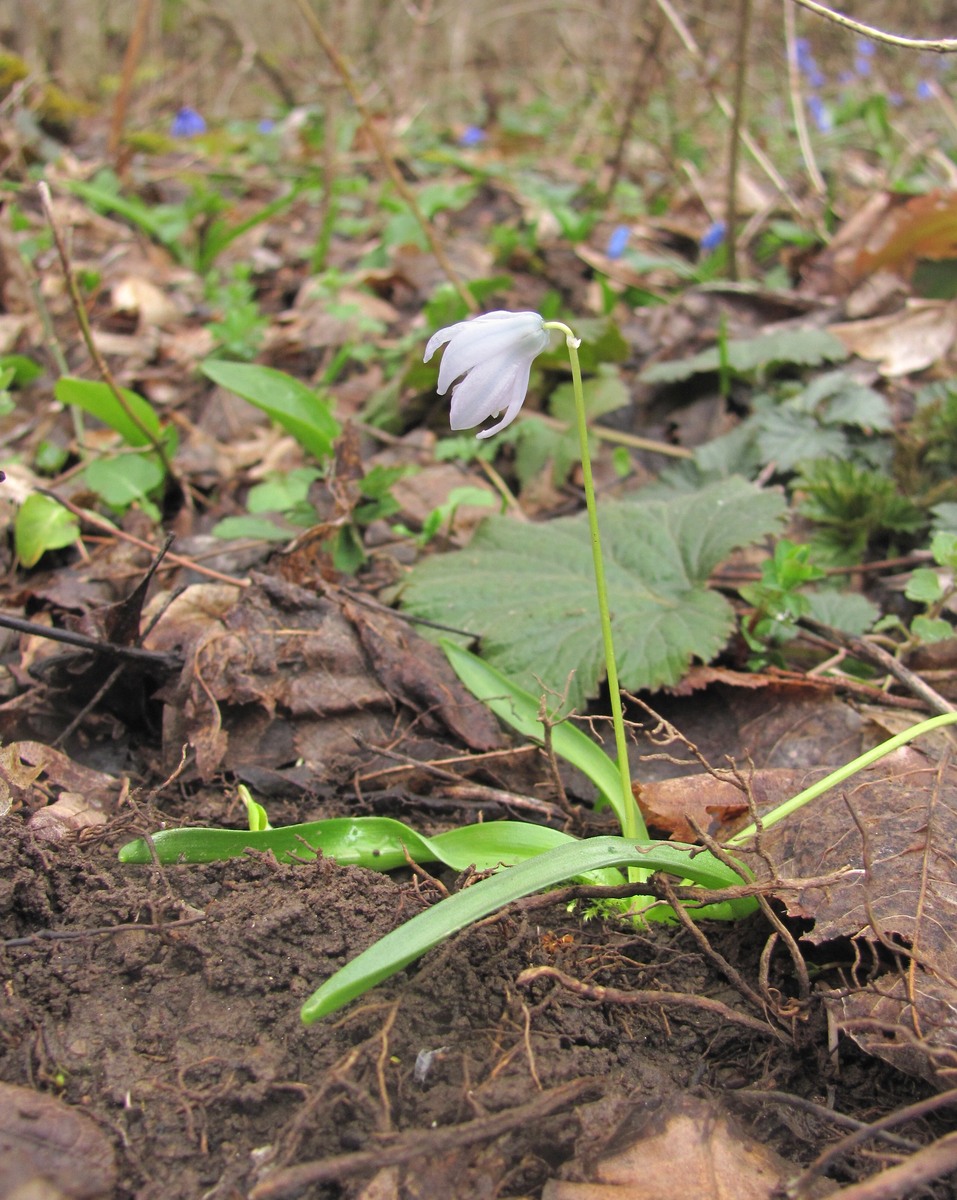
x=932, y=629
x=261, y=529
x=125, y=480
x=519, y=709
x=427, y=929
x=797, y=347
x=293, y=405
x=42, y=525
x=849, y=611
x=98, y=400
x=282, y=491
x=603, y=393
x=787, y=437
x=25, y=370
x=528, y=590
x=923, y=586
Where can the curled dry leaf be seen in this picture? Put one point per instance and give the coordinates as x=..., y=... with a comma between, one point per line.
x=48, y=1149
x=911, y=340
x=685, y=1147
x=893, y=827
x=72, y=813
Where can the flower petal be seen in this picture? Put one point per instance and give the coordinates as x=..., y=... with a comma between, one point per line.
x=484, y=392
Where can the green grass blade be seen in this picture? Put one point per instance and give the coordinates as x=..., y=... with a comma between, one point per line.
x=519, y=708
x=426, y=930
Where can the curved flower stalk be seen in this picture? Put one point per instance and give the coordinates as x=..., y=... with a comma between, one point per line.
x=487, y=362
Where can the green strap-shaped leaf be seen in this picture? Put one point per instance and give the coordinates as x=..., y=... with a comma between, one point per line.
x=519, y=709
x=426, y=930
x=98, y=400
x=297, y=408
x=379, y=843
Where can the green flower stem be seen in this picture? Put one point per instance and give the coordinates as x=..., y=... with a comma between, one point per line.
x=842, y=773
x=632, y=822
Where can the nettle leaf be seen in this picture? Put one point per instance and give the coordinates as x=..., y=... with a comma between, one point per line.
x=797, y=347
x=848, y=611
x=787, y=437
x=297, y=408
x=42, y=524
x=528, y=591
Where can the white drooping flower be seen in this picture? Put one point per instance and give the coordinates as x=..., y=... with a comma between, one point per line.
x=487, y=361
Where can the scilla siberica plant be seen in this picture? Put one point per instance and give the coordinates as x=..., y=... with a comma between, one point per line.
x=486, y=364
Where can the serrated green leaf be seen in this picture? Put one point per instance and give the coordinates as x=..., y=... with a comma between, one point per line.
x=290, y=403
x=42, y=525
x=787, y=437
x=98, y=400
x=945, y=517
x=923, y=586
x=848, y=611
x=528, y=590
x=931, y=629
x=798, y=347
x=943, y=546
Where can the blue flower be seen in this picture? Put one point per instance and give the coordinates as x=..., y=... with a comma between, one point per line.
x=925, y=90
x=820, y=114
x=802, y=51
x=865, y=48
x=713, y=236
x=266, y=125
x=617, y=241
x=472, y=135
x=187, y=123
x=815, y=76
x=862, y=65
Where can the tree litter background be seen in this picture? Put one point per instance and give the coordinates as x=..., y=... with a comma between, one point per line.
x=245, y=582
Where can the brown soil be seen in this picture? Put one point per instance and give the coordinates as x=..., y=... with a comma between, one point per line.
x=165, y=1006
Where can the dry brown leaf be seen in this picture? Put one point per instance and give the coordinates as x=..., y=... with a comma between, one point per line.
x=46, y=1142
x=924, y=227
x=911, y=340
x=71, y=813
x=900, y=889
x=717, y=807
x=687, y=1147
x=277, y=673
x=15, y=778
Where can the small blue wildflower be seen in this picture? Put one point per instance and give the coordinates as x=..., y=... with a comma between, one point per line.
x=862, y=66
x=865, y=48
x=925, y=90
x=187, y=123
x=472, y=135
x=815, y=76
x=713, y=236
x=820, y=114
x=617, y=241
x=266, y=125
x=802, y=51
x=895, y=99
